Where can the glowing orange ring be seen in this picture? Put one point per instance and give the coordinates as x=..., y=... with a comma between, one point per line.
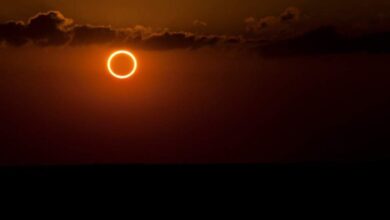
x=125, y=52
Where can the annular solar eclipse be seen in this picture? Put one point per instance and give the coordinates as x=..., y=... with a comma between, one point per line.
x=122, y=52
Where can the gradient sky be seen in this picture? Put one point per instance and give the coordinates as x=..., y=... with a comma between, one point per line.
x=253, y=81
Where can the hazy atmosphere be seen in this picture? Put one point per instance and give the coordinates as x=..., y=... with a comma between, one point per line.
x=217, y=81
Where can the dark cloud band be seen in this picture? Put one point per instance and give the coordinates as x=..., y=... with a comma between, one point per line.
x=327, y=40
x=44, y=29
x=54, y=29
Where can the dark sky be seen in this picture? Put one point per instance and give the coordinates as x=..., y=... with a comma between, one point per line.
x=218, y=81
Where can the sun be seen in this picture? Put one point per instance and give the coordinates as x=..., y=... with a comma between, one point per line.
x=122, y=52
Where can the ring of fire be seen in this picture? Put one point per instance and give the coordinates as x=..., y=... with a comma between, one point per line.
x=119, y=53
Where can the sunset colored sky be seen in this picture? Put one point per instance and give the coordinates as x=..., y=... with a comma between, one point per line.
x=219, y=81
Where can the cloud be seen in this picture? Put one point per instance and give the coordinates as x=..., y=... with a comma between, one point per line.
x=327, y=40
x=180, y=40
x=13, y=33
x=53, y=29
x=87, y=34
x=169, y=40
x=44, y=29
x=289, y=15
x=48, y=28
